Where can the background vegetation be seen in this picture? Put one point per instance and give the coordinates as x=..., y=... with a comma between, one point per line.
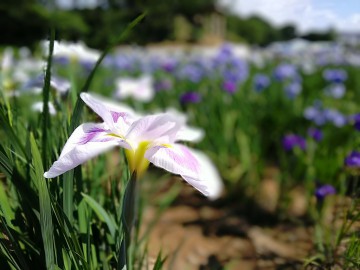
x=25, y=22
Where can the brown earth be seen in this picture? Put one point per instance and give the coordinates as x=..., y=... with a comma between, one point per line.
x=195, y=233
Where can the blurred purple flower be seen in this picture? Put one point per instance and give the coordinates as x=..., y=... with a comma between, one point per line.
x=315, y=114
x=356, y=119
x=87, y=65
x=61, y=85
x=291, y=141
x=229, y=66
x=230, y=87
x=170, y=65
x=163, y=85
x=315, y=133
x=335, y=117
x=224, y=54
x=260, y=82
x=190, y=97
x=285, y=71
x=191, y=72
x=335, y=75
x=324, y=190
x=61, y=60
x=353, y=160
x=293, y=89
x=335, y=90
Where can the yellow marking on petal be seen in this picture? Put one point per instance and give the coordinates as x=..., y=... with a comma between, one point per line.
x=116, y=135
x=136, y=159
x=167, y=145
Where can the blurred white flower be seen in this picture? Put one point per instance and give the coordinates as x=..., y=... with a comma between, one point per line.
x=7, y=59
x=38, y=107
x=60, y=85
x=78, y=51
x=140, y=89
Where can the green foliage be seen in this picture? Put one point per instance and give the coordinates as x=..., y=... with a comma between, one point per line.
x=254, y=30
x=320, y=36
x=23, y=22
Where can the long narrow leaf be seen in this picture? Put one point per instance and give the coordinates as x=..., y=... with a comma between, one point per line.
x=6, y=166
x=47, y=229
x=15, y=245
x=11, y=134
x=101, y=213
x=46, y=91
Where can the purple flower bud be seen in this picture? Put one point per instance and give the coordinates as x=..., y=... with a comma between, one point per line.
x=316, y=134
x=291, y=141
x=353, y=160
x=324, y=190
x=190, y=97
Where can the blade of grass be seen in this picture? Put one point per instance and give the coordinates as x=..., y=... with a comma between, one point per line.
x=68, y=195
x=47, y=229
x=4, y=202
x=11, y=134
x=14, y=244
x=69, y=237
x=101, y=213
x=6, y=166
x=4, y=252
x=46, y=91
x=159, y=262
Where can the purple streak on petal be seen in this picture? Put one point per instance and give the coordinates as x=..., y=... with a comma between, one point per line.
x=116, y=115
x=184, y=158
x=90, y=135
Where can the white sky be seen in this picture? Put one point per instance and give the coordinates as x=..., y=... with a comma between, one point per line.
x=343, y=15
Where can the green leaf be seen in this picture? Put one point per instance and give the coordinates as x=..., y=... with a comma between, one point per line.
x=46, y=92
x=11, y=134
x=159, y=262
x=69, y=237
x=14, y=244
x=5, y=205
x=101, y=213
x=6, y=166
x=47, y=229
x=68, y=195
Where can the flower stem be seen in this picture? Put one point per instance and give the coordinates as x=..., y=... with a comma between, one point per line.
x=128, y=215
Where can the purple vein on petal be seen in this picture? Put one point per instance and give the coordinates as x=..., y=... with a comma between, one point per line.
x=90, y=135
x=117, y=115
x=184, y=157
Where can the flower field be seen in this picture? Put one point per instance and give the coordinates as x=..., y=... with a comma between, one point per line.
x=118, y=160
